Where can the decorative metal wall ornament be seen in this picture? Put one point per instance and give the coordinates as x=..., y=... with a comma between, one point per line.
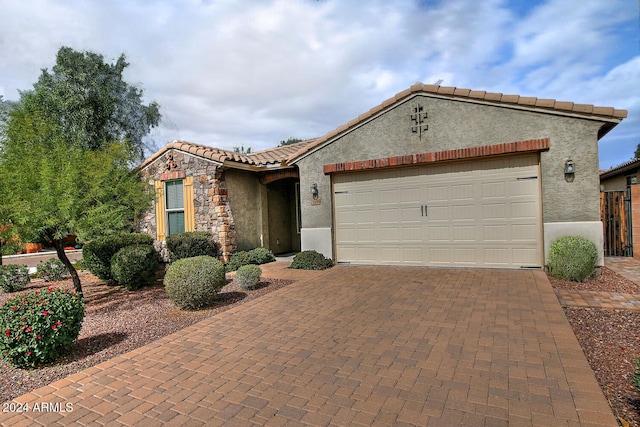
x=419, y=120
x=171, y=164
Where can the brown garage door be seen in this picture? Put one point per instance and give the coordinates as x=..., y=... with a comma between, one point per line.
x=483, y=213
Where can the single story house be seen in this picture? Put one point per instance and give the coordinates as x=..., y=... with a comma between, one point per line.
x=434, y=176
x=620, y=209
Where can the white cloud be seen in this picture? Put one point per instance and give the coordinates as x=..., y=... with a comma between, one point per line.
x=256, y=72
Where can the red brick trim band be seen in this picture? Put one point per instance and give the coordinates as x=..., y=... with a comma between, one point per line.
x=168, y=176
x=276, y=175
x=441, y=156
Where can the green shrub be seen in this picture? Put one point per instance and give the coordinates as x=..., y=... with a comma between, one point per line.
x=254, y=256
x=193, y=283
x=191, y=244
x=97, y=254
x=13, y=277
x=311, y=260
x=248, y=276
x=52, y=270
x=237, y=260
x=261, y=256
x=572, y=258
x=40, y=326
x=135, y=266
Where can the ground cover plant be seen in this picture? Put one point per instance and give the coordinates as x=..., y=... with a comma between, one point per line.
x=52, y=270
x=13, y=277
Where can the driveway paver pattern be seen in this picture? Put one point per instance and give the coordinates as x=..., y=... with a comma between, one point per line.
x=353, y=346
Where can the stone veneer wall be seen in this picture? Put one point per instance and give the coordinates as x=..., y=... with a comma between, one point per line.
x=211, y=205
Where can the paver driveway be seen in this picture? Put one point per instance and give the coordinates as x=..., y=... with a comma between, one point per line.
x=353, y=346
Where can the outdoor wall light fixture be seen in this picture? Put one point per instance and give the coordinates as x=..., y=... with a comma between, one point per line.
x=569, y=167
x=314, y=191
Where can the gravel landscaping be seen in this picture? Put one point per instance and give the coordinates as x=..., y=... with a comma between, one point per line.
x=610, y=340
x=117, y=321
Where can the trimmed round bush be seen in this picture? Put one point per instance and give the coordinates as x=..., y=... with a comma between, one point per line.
x=97, y=254
x=52, y=270
x=40, y=326
x=572, y=258
x=237, y=260
x=13, y=277
x=261, y=256
x=191, y=244
x=248, y=276
x=135, y=266
x=193, y=283
x=311, y=260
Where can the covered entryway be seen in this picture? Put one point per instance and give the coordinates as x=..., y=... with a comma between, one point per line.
x=482, y=212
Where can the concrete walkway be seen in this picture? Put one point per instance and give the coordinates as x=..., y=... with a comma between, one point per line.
x=352, y=346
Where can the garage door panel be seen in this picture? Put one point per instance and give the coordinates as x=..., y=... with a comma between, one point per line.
x=464, y=233
x=495, y=233
x=474, y=213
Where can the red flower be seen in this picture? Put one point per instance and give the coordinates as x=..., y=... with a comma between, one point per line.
x=8, y=332
x=14, y=308
x=44, y=312
x=50, y=288
x=38, y=336
x=54, y=326
x=29, y=329
x=37, y=292
x=28, y=353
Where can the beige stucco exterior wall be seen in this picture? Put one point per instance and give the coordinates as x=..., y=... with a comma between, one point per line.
x=458, y=124
x=617, y=183
x=245, y=204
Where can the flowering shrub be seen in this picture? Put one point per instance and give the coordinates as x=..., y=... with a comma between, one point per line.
x=52, y=270
x=40, y=326
x=248, y=276
x=193, y=283
x=13, y=277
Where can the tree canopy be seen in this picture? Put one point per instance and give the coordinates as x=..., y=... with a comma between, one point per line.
x=66, y=156
x=90, y=102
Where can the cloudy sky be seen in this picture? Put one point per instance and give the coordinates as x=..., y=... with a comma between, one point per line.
x=255, y=72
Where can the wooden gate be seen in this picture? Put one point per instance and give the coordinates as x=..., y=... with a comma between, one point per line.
x=615, y=212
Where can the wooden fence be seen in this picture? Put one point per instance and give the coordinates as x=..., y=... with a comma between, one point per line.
x=615, y=212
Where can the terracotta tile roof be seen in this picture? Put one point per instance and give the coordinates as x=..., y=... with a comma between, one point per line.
x=532, y=103
x=620, y=169
x=259, y=159
x=288, y=154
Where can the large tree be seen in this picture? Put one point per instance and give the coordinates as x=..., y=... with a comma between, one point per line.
x=66, y=151
x=90, y=101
